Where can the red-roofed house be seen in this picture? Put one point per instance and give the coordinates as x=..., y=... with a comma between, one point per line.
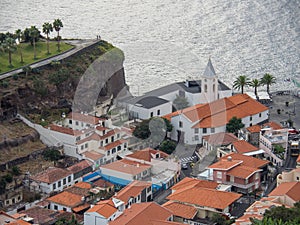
x=103, y=212
x=213, y=141
x=80, y=169
x=244, y=178
x=212, y=118
x=288, y=193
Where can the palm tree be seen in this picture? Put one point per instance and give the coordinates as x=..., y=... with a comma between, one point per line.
x=9, y=46
x=47, y=29
x=255, y=83
x=34, y=33
x=19, y=36
x=240, y=83
x=57, y=24
x=268, y=80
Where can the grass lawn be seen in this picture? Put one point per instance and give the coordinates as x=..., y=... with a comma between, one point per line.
x=28, y=54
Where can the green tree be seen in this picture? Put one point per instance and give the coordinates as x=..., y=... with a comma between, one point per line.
x=9, y=46
x=57, y=24
x=2, y=37
x=57, y=78
x=234, y=125
x=51, y=155
x=40, y=87
x=2, y=185
x=255, y=83
x=8, y=178
x=268, y=80
x=34, y=33
x=240, y=83
x=218, y=219
x=278, y=149
x=47, y=29
x=167, y=146
x=142, y=130
x=180, y=102
x=16, y=171
x=19, y=36
x=168, y=125
x=26, y=70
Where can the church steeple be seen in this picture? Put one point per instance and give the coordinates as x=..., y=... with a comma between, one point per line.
x=209, y=70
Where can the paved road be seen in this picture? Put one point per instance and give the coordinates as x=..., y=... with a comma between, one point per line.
x=79, y=45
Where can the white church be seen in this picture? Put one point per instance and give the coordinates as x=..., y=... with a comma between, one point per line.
x=159, y=102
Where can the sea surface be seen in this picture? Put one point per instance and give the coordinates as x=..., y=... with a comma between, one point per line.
x=171, y=40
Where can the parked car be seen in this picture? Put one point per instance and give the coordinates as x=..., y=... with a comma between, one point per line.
x=184, y=166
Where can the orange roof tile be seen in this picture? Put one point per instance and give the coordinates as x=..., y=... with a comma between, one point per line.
x=100, y=128
x=67, y=199
x=205, y=197
x=127, y=166
x=242, y=146
x=147, y=154
x=225, y=164
x=298, y=159
x=110, y=133
x=113, y=144
x=83, y=185
x=181, y=210
x=80, y=166
x=93, y=155
x=103, y=208
x=243, y=172
x=273, y=125
x=143, y=213
x=103, y=183
x=81, y=207
x=84, y=118
x=132, y=190
x=247, y=160
x=19, y=222
x=52, y=174
x=189, y=182
x=67, y=130
x=291, y=189
x=254, y=129
x=186, y=110
x=222, y=138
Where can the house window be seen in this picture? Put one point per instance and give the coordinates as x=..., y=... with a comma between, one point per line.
x=158, y=112
x=108, y=152
x=180, y=124
x=70, y=121
x=82, y=147
x=219, y=175
x=196, y=130
x=259, y=115
x=101, y=143
x=114, y=150
x=119, y=148
x=59, y=184
x=205, y=88
x=106, y=140
x=297, y=178
x=118, y=136
x=214, y=88
x=55, y=207
x=149, y=189
x=77, y=123
x=64, y=209
x=196, y=138
x=212, y=130
x=112, y=139
x=204, y=130
x=69, y=179
x=64, y=181
x=54, y=186
x=145, y=172
x=151, y=114
x=125, y=145
x=86, y=145
x=250, y=118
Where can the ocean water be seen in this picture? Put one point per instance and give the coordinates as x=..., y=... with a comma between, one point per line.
x=171, y=40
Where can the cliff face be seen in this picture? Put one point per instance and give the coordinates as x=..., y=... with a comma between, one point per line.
x=83, y=80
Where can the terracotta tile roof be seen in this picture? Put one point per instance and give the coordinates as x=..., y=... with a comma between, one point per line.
x=219, y=112
x=143, y=213
x=19, y=222
x=247, y=160
x=110, y=133
x=242, y=146
x=103, y=183
x=83, y=185
x=273, y=125
x=147, y=154
x=186, y=110
x=103, y=208
x=80, y=166
x=84, y=118
x=81, y=207
x=113, y=144
x=161, y=222
x=243, y=172
x=100, y=128
x=205, y=197
x=222, y=138
x=66, y=199
x=181, y=210
x=189, y=182
x=93, y=155
x=94, y=136
x=78, y=191
x=254, y=129
x=52, y=174
x=225, y=164
x=291, y=189
x=127, y=166
x=66, y=130
x=132, y=190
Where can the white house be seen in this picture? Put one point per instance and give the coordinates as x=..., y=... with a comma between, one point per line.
x=192, y=123
x=159, y=102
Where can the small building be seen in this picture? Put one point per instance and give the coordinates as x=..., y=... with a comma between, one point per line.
x=214, y=141
x=51, y=180
x=287, y=193
x=104, y=185
x=80, y=169
x=8, y=219
x=288, y=176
